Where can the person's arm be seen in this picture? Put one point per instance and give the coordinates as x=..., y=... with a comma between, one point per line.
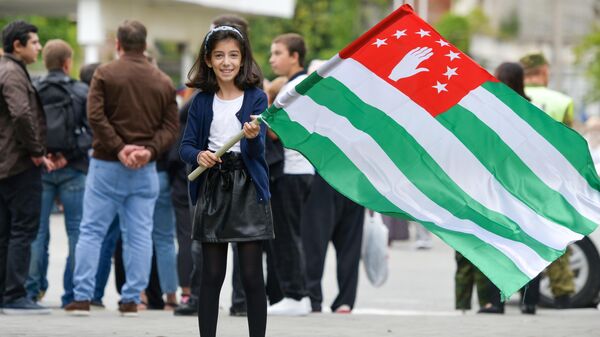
x=167, y=133
x=256, y=146
x=80, y=91
x=103, y=130
x=24, y=118
x=190, y=148
x=569, y=115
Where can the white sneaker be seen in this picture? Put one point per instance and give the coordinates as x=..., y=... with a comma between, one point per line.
x=423, y=244
x=290, y=307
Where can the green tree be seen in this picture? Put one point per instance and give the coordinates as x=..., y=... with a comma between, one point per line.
x=52, y=28
x=456, y=30
x=509, y=26
x=588, y=54
x=327, y=26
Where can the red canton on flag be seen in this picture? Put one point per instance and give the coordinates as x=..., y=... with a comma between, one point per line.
x=443, y=74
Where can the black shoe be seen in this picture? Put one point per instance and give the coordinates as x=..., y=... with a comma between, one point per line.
x=528, y=309
x=491, y=310
x=238, y=312
x=187, y=309
x=24, y=306
x=562, y=302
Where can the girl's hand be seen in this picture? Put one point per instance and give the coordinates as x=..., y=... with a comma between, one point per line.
x=208, y=159
x=251, y=130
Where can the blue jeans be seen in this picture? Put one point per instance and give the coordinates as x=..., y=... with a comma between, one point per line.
x=111, y=189
x=163, y=236
x=68, y=185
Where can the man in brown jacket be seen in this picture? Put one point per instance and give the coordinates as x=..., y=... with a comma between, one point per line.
x=22, y=128
x=133, y=114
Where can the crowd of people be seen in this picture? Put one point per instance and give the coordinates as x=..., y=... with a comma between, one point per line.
x=115, y=149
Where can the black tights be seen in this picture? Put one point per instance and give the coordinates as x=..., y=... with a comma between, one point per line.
x=213, y=274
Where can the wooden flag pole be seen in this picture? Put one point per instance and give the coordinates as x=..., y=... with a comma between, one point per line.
x=231, y=142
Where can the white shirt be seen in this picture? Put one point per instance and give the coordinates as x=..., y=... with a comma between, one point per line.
x=225, y=123
x=293, y=161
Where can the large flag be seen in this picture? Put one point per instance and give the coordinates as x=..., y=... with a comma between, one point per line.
x=402, y=122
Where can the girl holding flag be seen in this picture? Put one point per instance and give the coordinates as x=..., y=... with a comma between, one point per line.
x=231, y=197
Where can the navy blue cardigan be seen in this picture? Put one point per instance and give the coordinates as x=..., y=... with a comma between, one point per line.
x=197, y=129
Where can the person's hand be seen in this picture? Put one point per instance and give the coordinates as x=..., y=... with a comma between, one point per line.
x=58, y=160
x=37, y=161
x=208, y=159
x=125, y=152
x=139, y=158
x=47, y=163
x=272, y=135
x=251, y=130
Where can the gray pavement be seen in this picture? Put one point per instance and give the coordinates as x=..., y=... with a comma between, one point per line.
x=417, y=300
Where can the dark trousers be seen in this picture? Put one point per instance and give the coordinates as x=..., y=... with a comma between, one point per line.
x=183, y=221
x=289, y=194
x=20, y=203
x=331, y=216
x=153, y=290
x=238, y=295
x=196, y=274
x=531, y=292
x=273, y=289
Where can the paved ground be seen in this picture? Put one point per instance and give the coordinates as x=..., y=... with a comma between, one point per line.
x=417, y=300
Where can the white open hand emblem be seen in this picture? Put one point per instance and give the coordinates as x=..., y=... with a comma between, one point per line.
x=407, y=67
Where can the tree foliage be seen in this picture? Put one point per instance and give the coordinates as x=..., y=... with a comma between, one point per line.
x=52, y=28
x=456, y=30
x=327, y=26
x=588, y=54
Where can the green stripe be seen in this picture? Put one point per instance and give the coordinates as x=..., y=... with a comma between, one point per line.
x=339, y=171
x=511, y=171
x=566, y=140
x=416, y=164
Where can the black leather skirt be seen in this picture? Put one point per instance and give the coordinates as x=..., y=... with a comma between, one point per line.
x=228, y=209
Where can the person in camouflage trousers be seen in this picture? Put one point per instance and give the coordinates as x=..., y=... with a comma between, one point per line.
x=466, y=276
x=560, y=107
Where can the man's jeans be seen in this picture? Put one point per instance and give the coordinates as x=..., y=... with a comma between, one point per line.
x=111, y=189
x=163, y=235
x=20, y=198
x=68, y=185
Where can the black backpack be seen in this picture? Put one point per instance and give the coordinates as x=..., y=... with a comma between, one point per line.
x=65, y=131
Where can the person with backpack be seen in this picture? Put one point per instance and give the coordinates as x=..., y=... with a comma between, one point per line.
x=68, y=141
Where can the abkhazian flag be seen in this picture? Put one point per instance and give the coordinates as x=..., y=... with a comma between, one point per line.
x=402, y=122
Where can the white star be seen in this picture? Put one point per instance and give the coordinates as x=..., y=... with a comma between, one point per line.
x=452, y=55
x=440, y=87
x=450, y=72
x=380, y=42
x=442, y=43
x=400, y=33
x=423, y=32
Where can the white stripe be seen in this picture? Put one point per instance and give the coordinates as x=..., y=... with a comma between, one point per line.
x=390, y=182
x=541, y=157
x=449, y=153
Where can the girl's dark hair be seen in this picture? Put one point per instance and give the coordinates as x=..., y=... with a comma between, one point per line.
x=204, y=78
x=511, y=74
